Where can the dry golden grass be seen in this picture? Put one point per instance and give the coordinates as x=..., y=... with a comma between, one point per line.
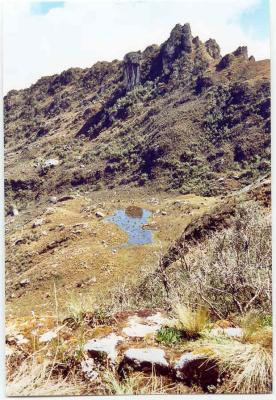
x=136, y=384
x=254, y=330
x=34, y=379
x=249, y=367
x=190, y=322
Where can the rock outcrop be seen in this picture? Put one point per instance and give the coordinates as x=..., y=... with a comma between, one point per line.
x=132, y=69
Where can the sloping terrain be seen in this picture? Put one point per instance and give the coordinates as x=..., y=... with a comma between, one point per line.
x=175, y=140
x=173, y=117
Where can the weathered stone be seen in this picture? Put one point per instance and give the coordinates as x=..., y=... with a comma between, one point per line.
x=65, y=198
x=142, y=327
x=53, y=199
x=38, y=222
x=20, y=339
x=180, y=41
x=213, y=48
x=88, y=369
x=99, y=214
x=51, y=162
x=132, y=69
x=47, y=337
x=197, y=368
x=241, y=51
x=25, y=282
x=15, y=211
x=106, y=346
x=144, y=359
x=225, y=61
x=230, y=331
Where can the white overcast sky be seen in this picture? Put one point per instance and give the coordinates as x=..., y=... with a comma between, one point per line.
x=82, y=32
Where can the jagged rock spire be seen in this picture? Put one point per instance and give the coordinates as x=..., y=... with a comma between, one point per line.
x=132, y=69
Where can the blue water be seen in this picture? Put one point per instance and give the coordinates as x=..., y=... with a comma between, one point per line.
x=132, y=225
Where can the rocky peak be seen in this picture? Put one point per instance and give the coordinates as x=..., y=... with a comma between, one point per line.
x=227, y=60
x=180, y=41
x=241, y=51
x=213, y=48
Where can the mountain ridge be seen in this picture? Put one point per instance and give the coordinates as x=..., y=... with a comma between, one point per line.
x=157, y=119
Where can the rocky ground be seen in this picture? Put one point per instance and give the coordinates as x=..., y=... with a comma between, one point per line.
x=69, y=246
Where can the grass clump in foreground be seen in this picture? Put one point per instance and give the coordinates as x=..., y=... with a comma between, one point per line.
x=249, y=367
x=35, y=379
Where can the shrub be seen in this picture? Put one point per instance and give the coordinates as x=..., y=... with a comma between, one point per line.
x=231, y=271
x=168, y=336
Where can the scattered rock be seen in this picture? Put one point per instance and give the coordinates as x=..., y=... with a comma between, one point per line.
x=230, y=332
x=20, y=339
x=38, y=222
x=53, y=199
x=25, y=282
x=51, y=162
x=47, y=337
x=144, y=359
x=88, y=369
x=99, y=214
x=14, y=211
x=96, y=348
x=49, y=211
x=163, y=212
x=141, y=327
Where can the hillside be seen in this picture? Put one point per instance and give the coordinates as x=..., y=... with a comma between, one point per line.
x=177, y=117
x=138, y=225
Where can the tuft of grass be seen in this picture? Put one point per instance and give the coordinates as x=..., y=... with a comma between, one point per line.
x=191, y=322
x=34, y=379
x=257, y=329
x=76, y=310
x=135, y=384
x=248, y=366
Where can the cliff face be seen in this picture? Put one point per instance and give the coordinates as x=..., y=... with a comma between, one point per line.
x=178, y=116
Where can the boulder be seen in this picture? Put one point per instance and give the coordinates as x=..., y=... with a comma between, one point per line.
x=141, y=327
x=144, y=359
x=38, y=222
x=104, y=347
x=197, y=368
x=51, y=162
x=65, y=198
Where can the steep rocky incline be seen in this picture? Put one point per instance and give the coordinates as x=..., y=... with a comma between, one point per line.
x=173, y=117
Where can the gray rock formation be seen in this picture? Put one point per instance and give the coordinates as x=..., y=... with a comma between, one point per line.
x=180, y=41
x=132, y=69
x=213, y=48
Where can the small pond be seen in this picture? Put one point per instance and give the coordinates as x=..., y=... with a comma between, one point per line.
x=131, y=221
